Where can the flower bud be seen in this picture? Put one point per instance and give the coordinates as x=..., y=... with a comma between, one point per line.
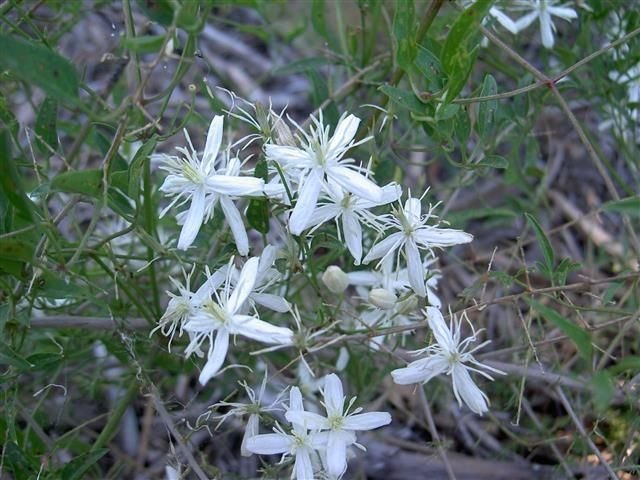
x=382, y=298
x=335, y=279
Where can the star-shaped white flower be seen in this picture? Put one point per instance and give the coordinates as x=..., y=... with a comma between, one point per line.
x=222, y=318
x=299, y=443
x=340, y=425
x=352, y=211
x=198, y=182
x=318, y=161
x=452, y=356
x=412, y=236
x=543, y=10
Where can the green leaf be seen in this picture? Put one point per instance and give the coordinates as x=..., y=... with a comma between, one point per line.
x=579, y=336
x=304, y=65
x=403, y=28
x=493, y=161
x=13, y=248
x=458, y=52
x=137, y=164
x=77, y=467
x=403, y=98
x=627, y=363
x=543, y=240
x=7, y=118
x=160, y=11
x=39, y=66
x=46, y=125
x=487, y=110
x=603, y=389
x=17, y=462
x=429, y=66
x=85, y=182
x=9, y=357
x=628, y=206
x=10, y=182
x=319, y=22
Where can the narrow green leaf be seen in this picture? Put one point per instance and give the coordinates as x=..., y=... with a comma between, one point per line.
x=85, y=182
x=319, y=22
x=628, y=206
x=137, y=164
x=579, y=336
x=493, y=161
x=404, y=21
x=10, y=182
x=17, y=249
x=627, y=363
x=77, y=467
x=458, y=52
x=543, y=240
x=487, y=110
x=603, y=389
x=9, y=357
x=46, y=126
x=429, y=66
x=7, y=118
x=39, y=66
x=403, y=98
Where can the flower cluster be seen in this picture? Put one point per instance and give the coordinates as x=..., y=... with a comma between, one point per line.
x=311, y=184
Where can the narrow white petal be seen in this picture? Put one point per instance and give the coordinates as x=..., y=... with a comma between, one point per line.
x=234, y=219
x=565, y=13
x=216, y=359
x=503, y=20
x=260, y=331
x=468, y=391
x=206, y=289
x=366, y=421
x=269, y=444
x=287, y=155
x=251, y=430
x=235, y=186
x=363, y=278
x=303, y=470
x=345, y=131
x=271, y=301
x=244, y=285
x=193, y=221
x=415, y=268
x=333, y=394
x=546, y=29
x=214, y=139
x=420, y=371
x=525, y=21
x=309, y=420
x=295, y=399
x=336, y=453
x=352, y=235
x=356, y=183
x=431, y=237
x=307, y=199
x=323, y=214
x=413, y=210
x=384, y=247
x=440, y=329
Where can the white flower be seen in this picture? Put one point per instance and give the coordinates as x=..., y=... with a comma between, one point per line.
x=414, y=235
x=299, y=443
x=197, y=181
x=543, y=10
x=340, y=425
x=222, y=318
x=319, y=160
x=353, y=211
x=449, y=355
